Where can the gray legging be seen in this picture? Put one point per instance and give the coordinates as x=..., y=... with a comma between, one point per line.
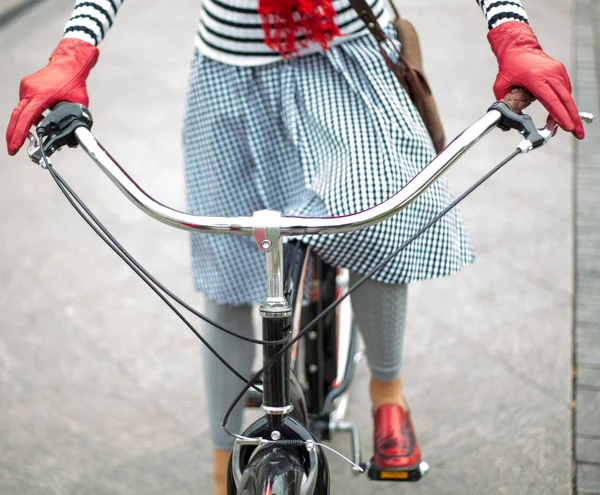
x=379, y=310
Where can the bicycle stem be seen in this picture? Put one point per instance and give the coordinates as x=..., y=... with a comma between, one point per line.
x=276, y=313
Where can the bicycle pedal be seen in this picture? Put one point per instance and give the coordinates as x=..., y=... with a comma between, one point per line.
x=376, y=473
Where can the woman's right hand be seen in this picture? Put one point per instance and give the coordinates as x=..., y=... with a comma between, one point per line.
x=63, y=79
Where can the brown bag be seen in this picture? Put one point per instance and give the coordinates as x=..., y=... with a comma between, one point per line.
x=410, y=72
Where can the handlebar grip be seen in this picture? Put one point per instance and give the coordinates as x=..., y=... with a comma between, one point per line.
x=518, y=99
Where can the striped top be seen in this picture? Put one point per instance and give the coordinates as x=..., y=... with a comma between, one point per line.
x=230, y=31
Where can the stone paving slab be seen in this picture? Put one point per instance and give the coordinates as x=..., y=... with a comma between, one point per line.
x=588, y=479
x=588, y=449
x=100, y=385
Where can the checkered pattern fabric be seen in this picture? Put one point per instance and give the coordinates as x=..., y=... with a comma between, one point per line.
x=325, y=134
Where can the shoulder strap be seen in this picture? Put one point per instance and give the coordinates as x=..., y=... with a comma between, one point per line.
x=368, y=17
x=394, y=8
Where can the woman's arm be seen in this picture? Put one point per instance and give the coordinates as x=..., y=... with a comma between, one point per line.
x=64, y=78
x=522, y=63
x=91, y=19
x=499, y=11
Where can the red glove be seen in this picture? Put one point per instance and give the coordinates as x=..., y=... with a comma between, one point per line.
x=522, y=63
x=63, y=79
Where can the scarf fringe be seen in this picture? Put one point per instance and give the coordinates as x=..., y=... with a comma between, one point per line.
x=284, y=20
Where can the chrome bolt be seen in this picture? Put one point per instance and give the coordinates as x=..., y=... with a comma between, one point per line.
x=312, y=335
x=275, y=435
x=266, y=244
x=310, y=446
x=313, y=368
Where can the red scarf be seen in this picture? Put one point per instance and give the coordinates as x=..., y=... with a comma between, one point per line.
x=284, y=20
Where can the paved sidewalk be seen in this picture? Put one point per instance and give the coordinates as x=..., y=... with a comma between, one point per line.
x=587, y=243
x=100, y=385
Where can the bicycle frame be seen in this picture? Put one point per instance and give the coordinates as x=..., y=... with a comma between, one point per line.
x=282, y=431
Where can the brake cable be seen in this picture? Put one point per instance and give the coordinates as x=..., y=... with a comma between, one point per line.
x=156, y=286
x=511, y=120
x=68, y=122
x=368, y=275
x=167, y=291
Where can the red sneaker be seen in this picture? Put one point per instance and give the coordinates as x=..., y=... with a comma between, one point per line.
x=396, y=446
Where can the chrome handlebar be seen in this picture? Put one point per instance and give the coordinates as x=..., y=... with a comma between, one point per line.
x=297, y=225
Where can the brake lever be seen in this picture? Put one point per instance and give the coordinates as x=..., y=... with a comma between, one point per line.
x=34, y=151
x=551, y=125
x=511, y=108
x=534, y=137
x=549, y=131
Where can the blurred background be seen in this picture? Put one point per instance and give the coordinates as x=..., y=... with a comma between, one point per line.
x=100, y=384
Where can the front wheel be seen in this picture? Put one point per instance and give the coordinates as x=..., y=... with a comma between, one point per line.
x=272, y=470
x=292, y=465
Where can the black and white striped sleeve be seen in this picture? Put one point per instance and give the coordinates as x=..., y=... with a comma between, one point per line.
x=499, y=11
x=91, y=19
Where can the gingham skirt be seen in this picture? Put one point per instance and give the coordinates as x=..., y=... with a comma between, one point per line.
x=325, y=134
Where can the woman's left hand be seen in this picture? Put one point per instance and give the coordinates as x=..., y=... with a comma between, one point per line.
x=522, y=63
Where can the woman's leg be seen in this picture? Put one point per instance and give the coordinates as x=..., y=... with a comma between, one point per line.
x=222, y=385
x=380, y=312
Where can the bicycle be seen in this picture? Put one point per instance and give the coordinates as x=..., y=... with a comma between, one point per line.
x=281, y=452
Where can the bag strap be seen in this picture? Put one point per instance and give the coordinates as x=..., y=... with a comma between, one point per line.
x=394, y=8
x=401, y=71
x=368, y=17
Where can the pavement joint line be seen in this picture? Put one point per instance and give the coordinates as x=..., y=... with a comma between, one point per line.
x=588, y=388
x=509, y=367
x=531, y=275
x=588, y=366
x=588, y=324
x=589, y=463
x=17, y=11
x=526, y=378
x=77, y=323
x=594, y=326
x=587, y=436
x=547, y=209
